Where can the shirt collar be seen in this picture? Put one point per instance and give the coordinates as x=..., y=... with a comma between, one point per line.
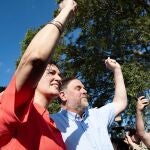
x=74, y=116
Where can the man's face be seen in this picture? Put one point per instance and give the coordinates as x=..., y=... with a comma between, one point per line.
x=75, y=96
x=50, y=82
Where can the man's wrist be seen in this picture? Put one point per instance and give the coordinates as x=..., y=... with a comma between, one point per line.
x=117, y=70
x=138, y=111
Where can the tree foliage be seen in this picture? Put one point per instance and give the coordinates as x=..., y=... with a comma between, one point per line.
x=119, y=29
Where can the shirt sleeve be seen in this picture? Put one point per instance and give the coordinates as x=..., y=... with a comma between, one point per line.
x=9, y=118
x=108, y=113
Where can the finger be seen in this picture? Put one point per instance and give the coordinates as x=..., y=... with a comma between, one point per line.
x=141, y=97
x=113, y=61
x=144, y=100
x=106, y=60
x=127, y=133
x=145, y=104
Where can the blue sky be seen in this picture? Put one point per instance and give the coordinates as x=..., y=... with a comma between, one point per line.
x=16, y=17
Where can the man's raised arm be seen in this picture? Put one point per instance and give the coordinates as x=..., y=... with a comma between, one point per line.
x=120, y=97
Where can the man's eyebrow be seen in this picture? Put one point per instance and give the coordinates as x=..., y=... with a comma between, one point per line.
x=78, y=86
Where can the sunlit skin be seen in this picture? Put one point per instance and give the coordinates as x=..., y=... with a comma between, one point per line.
x=75, y=97
x=132, y=141
x=142, y=133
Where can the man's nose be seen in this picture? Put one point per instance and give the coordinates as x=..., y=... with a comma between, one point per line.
x=84, y=91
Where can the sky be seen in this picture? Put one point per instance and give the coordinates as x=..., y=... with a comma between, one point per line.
x=16, y=17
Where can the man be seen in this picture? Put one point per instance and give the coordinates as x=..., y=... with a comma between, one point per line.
x=24, y=119
x=84, y=128
x=144, y=136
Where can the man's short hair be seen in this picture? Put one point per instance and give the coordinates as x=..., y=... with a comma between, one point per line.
x=64, y=85
x=65, y=82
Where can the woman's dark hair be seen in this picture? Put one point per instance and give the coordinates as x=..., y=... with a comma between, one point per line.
x=2, y=89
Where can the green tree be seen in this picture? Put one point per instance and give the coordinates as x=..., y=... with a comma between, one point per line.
x=119, y=29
